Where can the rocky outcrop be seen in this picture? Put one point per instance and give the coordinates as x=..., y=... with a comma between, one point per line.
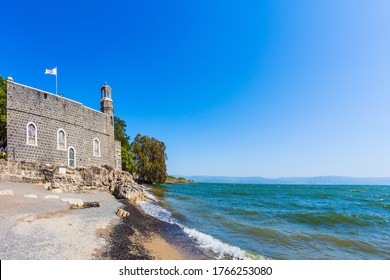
x=86, y=179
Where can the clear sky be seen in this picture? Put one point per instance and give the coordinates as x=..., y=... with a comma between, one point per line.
x=234, y=88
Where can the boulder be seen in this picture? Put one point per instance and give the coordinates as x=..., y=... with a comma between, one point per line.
x=91, y=204
x=128, y=191
x=122, y=213
x=86, y=205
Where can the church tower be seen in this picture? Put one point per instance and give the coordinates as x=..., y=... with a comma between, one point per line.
x=106, y=104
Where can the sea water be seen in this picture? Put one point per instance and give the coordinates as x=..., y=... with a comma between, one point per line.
x=279, y=221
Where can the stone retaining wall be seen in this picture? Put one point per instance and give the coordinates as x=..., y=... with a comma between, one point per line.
x=65, y=179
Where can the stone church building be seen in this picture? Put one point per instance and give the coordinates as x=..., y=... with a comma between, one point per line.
x=50, y=129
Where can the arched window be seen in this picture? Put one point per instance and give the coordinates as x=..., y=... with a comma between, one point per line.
x=61, y=139
x=71, y=157
x=31, y=134
x=96, y=147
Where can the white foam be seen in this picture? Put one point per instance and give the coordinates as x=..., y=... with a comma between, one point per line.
x=219, y=247
x=204, y=240
x=157, y=211
x=150, y=196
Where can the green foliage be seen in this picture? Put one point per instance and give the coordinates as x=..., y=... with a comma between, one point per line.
x=150, y=157
x=120, y=131
x=3, y=111
x=180, y=180
x=126, y=153
x=127, y=159
x=145, y=157
x=3, y=155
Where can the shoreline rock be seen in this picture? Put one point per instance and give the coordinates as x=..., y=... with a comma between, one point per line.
x=60, y=179
x=122, y=213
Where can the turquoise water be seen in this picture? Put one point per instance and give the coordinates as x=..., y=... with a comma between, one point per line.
x=280, y=221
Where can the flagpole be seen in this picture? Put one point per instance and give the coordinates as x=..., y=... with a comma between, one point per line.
x=57, y=81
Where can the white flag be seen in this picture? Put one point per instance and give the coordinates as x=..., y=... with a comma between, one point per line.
x=52, y=71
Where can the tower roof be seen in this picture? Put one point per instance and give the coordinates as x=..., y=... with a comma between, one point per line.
x=106, y=87
x=106, y=91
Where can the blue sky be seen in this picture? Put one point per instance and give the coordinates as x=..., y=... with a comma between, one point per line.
x=234, y=88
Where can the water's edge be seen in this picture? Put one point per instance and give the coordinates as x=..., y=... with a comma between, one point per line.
x=278, y=221
x=215, y=247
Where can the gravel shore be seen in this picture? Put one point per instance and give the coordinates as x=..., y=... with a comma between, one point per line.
x=36, y=224
x=143, y=237
x=46, y=228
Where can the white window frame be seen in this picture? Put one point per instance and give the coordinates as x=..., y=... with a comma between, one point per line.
x=36, y=134
x=93, y=147
x=71, y=147
x=58, y=139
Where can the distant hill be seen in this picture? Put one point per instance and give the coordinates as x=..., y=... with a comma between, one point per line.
x=321, y=180
x=175, y=180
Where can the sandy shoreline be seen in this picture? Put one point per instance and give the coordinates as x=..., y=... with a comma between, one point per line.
x=40, y=228
x=143, y=237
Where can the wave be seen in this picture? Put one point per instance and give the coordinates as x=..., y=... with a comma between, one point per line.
x=334, y=218
x=157, y=211
x=380, y=204
x=151, y=208
x=239, y=193
x=221, y=249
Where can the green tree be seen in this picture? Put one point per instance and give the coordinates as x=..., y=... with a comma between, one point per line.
x=150, y=157
x=3, y=112
x=126, y=153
